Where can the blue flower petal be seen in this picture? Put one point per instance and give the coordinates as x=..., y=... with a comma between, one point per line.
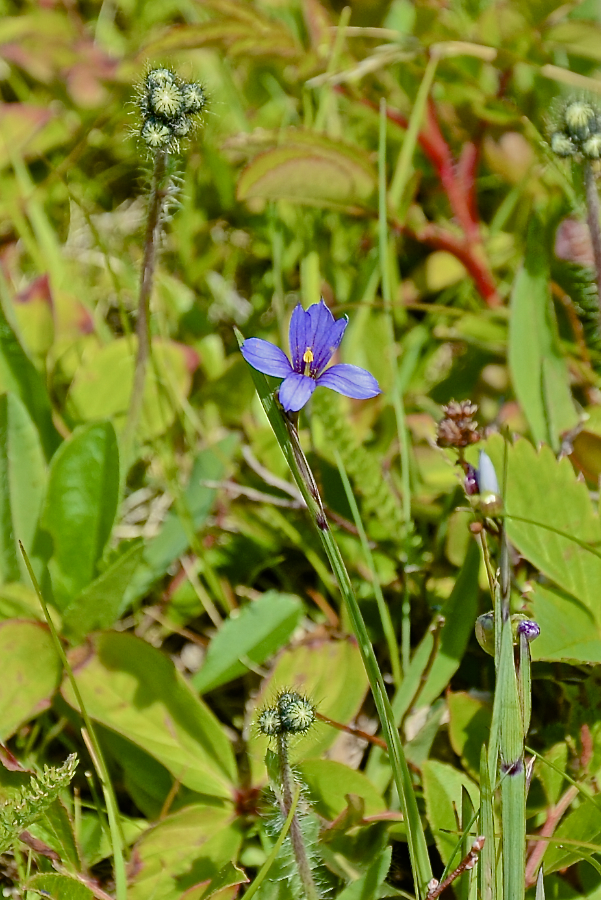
x=352, y=381
x=321, y=320
x=326, y=345
x=295, y=391
x=266, y=357
x=297, y=336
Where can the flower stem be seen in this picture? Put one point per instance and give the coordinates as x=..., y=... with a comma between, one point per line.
x=158, y=193
x=592, y=215
x=296, y=835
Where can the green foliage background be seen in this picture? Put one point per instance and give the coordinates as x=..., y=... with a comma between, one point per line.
x=187, y=583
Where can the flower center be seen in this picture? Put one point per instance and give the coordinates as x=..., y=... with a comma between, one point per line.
x=308, y=359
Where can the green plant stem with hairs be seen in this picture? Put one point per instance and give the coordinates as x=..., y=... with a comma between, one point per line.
x=592, y=215
x=296, y=836
x=158, y=194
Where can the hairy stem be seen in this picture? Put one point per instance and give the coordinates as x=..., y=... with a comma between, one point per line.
x=592, y=215
x=158, y=193
x=296, y=835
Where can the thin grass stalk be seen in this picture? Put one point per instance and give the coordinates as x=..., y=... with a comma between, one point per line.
x=397, y=397
x=156, y=204
x=96, y=753
x=487, y=876
x=385, y=617
x=287, y=438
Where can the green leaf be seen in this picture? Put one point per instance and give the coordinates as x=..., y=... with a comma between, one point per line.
x=229, y=876
x=19, y=376
x=538, y=370
x=174, y=537
x=469, y=728
x=135, y=690
x=581, y=37
x=253, y=634
x=101, y=603
x=30, y=687
x=564, y=558
x=81, y=504
x=310, y=168
x=568, y=629
x=369, y=885
x=184, y=849
x=443, y=785
x=102, y=385
x=581, y=824
x=22, y=485
x=55, y=828
x=331, y=674
x=329, y=782
x=59, y=887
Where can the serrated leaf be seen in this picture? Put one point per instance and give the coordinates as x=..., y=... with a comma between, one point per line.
x=254, y=634
x=135, y=690
x=546, y=492
x=310, y=168
x=81, y=503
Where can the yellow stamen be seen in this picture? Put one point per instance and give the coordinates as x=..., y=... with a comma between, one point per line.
x=308, y=355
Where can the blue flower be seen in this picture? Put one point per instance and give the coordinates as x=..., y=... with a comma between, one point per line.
x=314, y=337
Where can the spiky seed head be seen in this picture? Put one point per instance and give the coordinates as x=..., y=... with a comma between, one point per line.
x=166, y=100
x=562, y=145
x=156, y=134
x=270, y=722
x=580, y=119
x=591, y=148
x=181, y=126
x=298, y=717
x=285, y=698
x=160, y=76
x=194, y=98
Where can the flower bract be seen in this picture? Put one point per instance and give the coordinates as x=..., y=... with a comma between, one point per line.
x=314, y=337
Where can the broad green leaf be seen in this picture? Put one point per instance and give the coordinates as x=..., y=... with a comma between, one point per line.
x=186, y=848
x=55, y=828
x=331, y=674
x=135, y=690
x=442, y=791
x=19, y=376
x=254, y=634
x=538, y=370
x=223, y=886
x=81, y=503
x=28, y=654
x=310, y=168
x=22, y=486
x=59, y=887
x=329, y=782
x=547, y=492
x=469, y=728
x=102, y=385
x=101, y=603
x=95, y=841
x=568, y=629
x=371, y=884
x=174, y=537
x=581, y=824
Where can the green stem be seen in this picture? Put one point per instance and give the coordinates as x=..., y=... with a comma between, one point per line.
x=96, y=752
x=296, y=835
x=158, y=194
x=592, y=208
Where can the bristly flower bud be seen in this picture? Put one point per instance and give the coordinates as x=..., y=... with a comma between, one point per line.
x=168, y=106
x=297, y=713
x=156, y=134
x=591, y=148
x=166, y=100
x=580, y=119
x=194, y=98
x=156, y=77
x=270, y=722
x=562, y=145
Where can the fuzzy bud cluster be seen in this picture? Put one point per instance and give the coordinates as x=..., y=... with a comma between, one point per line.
x=292, y=714
x=579, y=132
x=458, y=429
x=168, y=106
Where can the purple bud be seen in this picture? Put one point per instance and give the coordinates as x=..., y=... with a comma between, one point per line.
x=529, y=628
x=471, y=481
